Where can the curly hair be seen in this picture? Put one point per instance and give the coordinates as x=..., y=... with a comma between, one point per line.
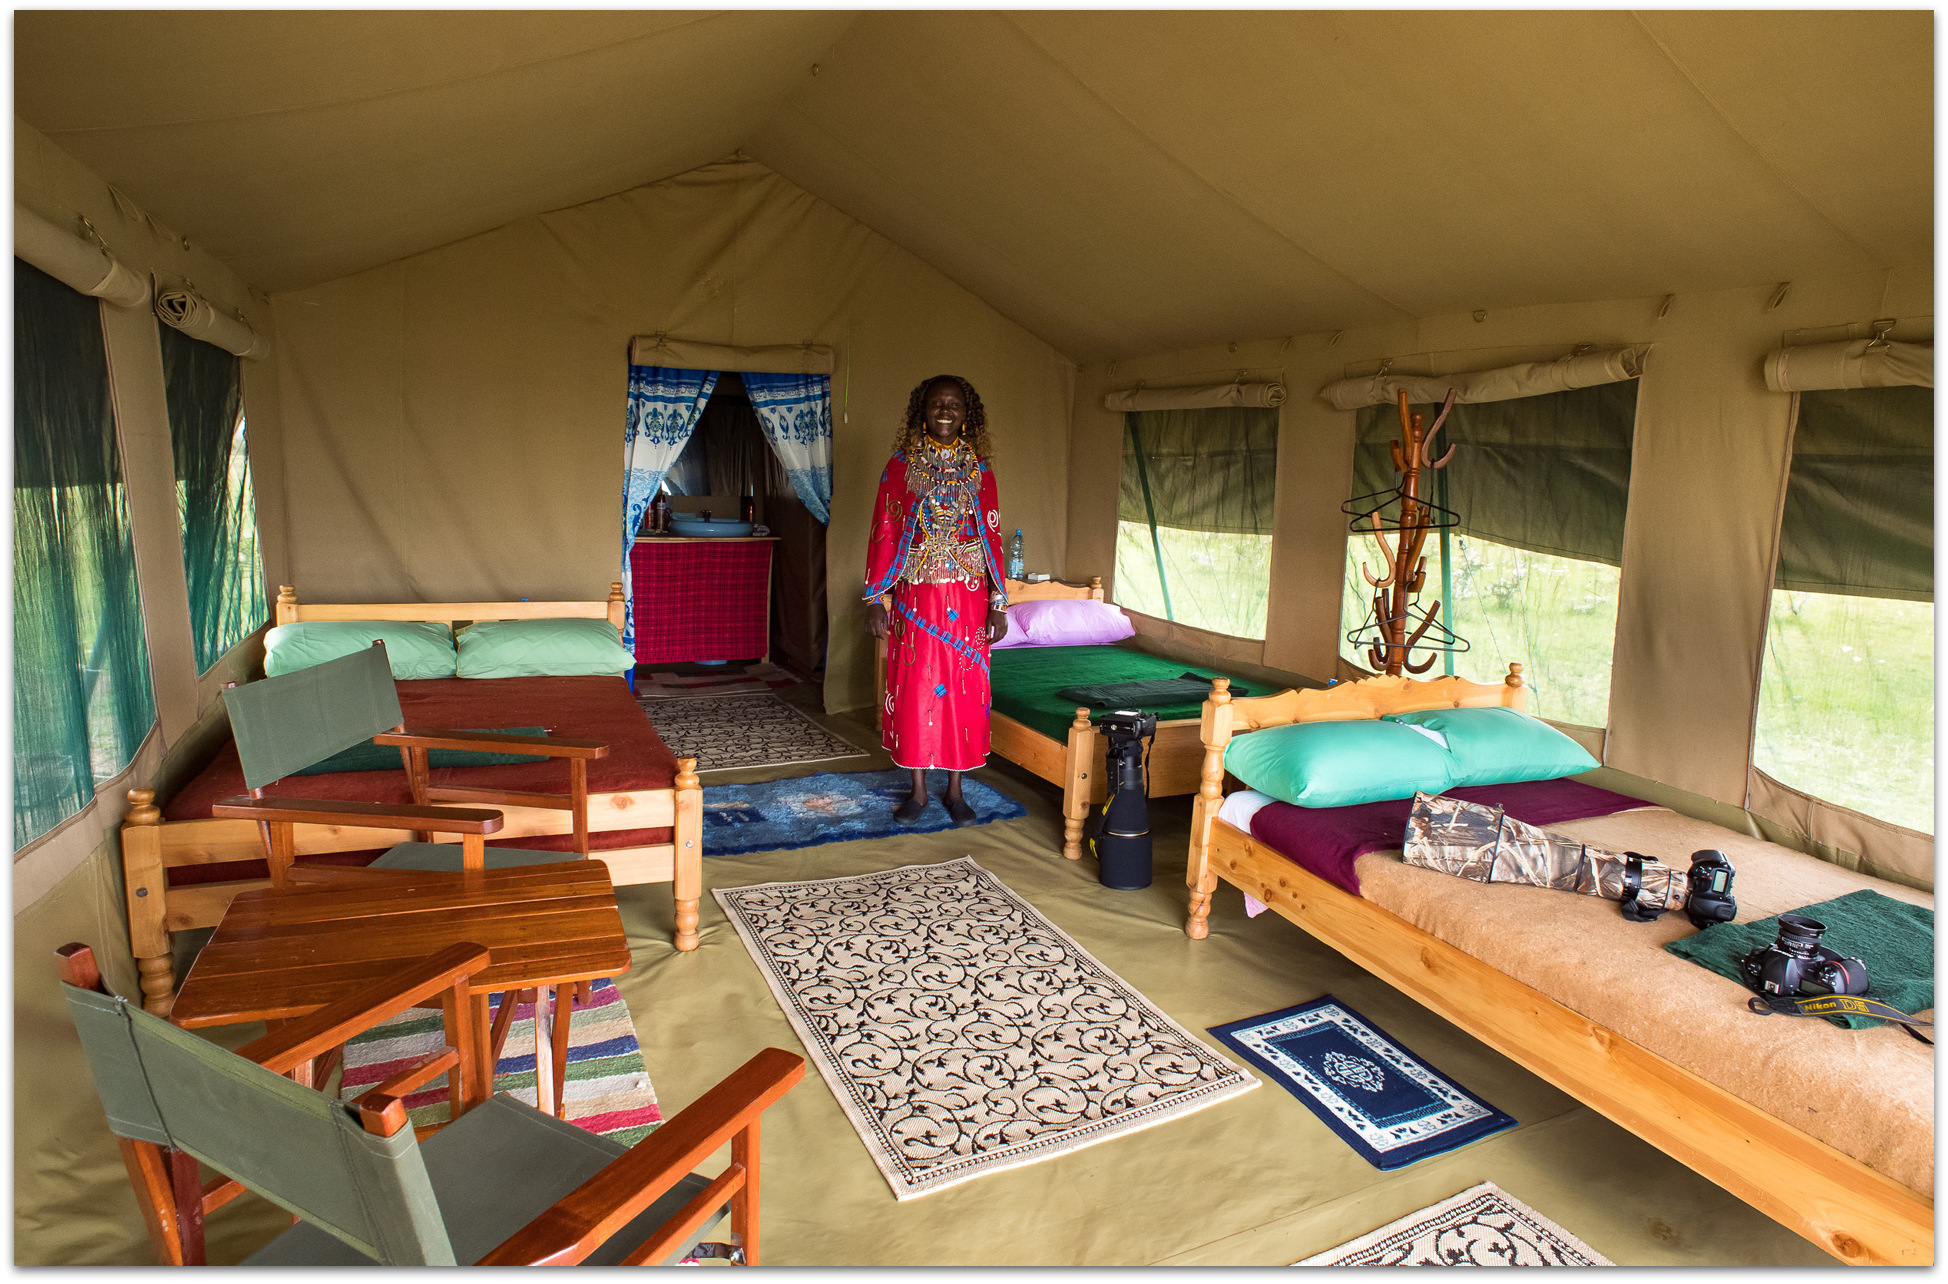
x=913, y=431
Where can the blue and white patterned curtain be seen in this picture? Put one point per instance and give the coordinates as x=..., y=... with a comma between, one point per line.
x=664, y=406
x=795, y=411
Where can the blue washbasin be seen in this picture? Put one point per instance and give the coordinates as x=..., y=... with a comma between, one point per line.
x=696, y=527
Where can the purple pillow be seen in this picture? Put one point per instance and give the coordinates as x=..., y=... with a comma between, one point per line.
x=1066, y=622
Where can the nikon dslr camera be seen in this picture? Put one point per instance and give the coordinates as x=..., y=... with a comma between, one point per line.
x=1798, y=964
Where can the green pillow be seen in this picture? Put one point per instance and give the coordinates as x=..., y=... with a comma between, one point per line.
x=1338, y=764
x=542, y=649
x=414, y=648
x=1501, y=746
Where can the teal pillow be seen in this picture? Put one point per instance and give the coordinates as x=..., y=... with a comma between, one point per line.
x=542, y=649
x=1338, y=764
x=1501, y=746
x=414, y=648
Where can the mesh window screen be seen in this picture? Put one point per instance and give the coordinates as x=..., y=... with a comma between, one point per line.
x=1531, y=573
x=82, y=700
x=214, y=499
x=1846, y=696
x=1194, y=530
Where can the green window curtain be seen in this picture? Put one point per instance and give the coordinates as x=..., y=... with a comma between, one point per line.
x=215, y=503
x=1195, y=516
x=82, y=699
x=1846, y=696
x=1540, y=485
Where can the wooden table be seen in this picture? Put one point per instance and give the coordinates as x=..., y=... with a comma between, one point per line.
x=280, y=954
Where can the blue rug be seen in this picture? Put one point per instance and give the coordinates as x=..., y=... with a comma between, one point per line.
x=1383, y=1101
x=833, y=807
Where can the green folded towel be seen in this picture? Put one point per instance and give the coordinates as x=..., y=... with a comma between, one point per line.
x=367, y=756
x=1893, y=938
x=1151, y=691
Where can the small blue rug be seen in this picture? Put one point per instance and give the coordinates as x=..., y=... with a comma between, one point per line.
x=833, y=807
x=1385, y=1102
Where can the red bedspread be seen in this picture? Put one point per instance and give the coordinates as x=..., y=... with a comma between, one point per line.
x=1327, y=840
x=589, y=708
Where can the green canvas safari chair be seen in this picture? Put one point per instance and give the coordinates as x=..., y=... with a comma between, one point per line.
x=285, y=724
x=505, y=1184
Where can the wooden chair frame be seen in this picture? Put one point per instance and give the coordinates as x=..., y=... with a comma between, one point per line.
x=1076, y=763
x=1855, y=1213
x=174, y=1200
x=152, y=846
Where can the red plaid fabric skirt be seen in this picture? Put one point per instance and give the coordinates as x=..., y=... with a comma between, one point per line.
x=705, y=601
x=937, y=697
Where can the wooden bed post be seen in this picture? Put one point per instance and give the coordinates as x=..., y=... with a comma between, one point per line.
x=1517, y=694
x=687, y=870
x=1096, y=587
x=615, y=605
x=1198, y=875
x=287, y=604
x=1076, y=790
x=145, y=881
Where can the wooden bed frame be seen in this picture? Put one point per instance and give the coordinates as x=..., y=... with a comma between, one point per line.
x=1077, y=764
x=152, y=846
x=1855, y=1213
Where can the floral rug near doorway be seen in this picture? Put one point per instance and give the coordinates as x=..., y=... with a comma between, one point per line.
x=1482, y=1226
x=961, y=1031
x=731, y=679
x=725, y=731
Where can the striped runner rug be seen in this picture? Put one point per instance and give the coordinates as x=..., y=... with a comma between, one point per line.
x=608, y=1089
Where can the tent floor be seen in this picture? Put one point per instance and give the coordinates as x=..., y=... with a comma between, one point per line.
x=1256, y=1180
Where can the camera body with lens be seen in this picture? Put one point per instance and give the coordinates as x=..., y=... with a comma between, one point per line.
x=1797, y=964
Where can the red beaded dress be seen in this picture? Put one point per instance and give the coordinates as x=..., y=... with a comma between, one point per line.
x=936, y=546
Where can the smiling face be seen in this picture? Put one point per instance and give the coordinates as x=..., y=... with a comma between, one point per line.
x=943, y=411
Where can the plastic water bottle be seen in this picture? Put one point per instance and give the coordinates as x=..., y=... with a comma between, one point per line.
x=1017, y=562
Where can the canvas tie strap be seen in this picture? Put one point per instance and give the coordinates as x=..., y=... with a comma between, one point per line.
x=1828, y=1005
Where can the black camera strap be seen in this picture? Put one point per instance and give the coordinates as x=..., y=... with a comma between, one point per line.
x=1633, y=882
x=1831, y=1005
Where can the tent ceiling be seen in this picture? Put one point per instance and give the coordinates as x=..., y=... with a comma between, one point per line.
x=1116, y=181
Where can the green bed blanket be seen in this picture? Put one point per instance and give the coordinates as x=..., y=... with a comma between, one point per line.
x=1027, y=678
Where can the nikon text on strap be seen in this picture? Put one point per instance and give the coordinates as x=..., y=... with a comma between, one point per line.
x=1832, y=1005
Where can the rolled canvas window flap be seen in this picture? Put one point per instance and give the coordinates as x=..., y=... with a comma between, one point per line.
x=1581, y=370
x=198, y=318
x=1202, y=396
x=691, y=354
x=74, y=262
x=1857, y=363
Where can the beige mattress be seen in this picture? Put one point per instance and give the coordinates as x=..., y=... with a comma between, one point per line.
x=1867, y=1093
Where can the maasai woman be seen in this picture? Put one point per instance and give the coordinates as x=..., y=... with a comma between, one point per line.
x=936, y=546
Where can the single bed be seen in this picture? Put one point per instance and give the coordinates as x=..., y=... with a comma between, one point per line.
x=1031, y=725
x=1828, y=1131
x=182, y=867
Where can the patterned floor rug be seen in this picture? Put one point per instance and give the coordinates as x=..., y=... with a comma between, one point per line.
x=724, y=731
x=1383, y=1101
x=732, y=679
x=833, y=807
x=608, y=1089
x=1482, y=1226
x=961, y=1031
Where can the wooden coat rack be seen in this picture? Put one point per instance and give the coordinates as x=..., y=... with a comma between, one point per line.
x=1398, y=624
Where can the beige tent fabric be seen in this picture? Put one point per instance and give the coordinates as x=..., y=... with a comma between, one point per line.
x=455, y=419
x=1860, y=363
x=1844, y=836
x=1201, y=396
x=692, y=354
x=1577, y=370
x=198, y=318
x=72, y=261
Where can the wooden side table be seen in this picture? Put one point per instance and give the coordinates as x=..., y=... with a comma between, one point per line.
x=280, y=954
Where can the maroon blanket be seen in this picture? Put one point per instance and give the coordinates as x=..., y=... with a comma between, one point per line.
x=585, y=708
x=1327, y=840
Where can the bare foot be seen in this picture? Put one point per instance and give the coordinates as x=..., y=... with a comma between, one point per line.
x=909, y=811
